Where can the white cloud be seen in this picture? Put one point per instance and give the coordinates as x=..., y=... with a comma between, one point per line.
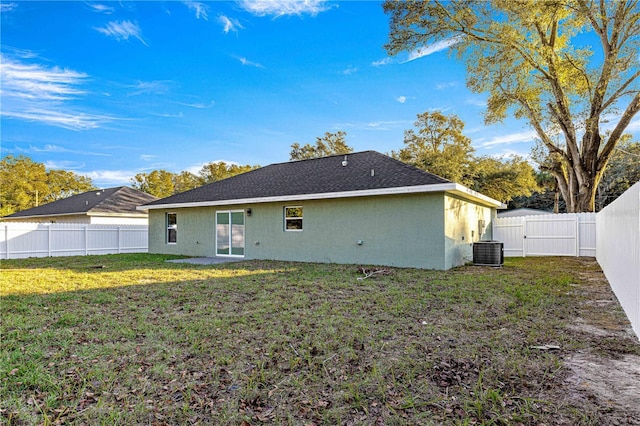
x=155, y=87
x=7, y=7
x=278, y=8
x=122, y=30
x=39, y=93
x=381, y=125
x=57, y=148
x=349, y=70
x=34, y=81
x=382, y=62
x=70, y=120
x=634, y=125
x=419, y=52
x=508, y=139
x=443, y=86
x=401, y=99
x=148, y=157
x=111, y=177
x=64, y=165
x=476, y=102
x=199, y=8
x=245, y=61
x=229, y=24
x=432, y=48
x=198, y=105
x=101, y=8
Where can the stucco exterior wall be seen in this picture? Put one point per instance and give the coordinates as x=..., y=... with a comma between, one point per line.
x=463, y=228
x=404, y=231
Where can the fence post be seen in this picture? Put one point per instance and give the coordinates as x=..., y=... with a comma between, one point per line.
x=86, y=239
x=49, y=240
x=6, y=240
x=118, y=238
x=577, y=216
x=524, y=236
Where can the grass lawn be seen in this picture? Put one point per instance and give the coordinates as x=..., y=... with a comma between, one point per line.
x=131, y=339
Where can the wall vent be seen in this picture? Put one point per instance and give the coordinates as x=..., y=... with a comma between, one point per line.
x=488, y=253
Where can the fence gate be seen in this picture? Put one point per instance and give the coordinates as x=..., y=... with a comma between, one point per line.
x=547, y=235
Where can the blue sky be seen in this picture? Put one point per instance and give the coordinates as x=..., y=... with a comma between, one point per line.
x=111, y=89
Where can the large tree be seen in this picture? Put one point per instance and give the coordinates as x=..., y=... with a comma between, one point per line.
x=329, y=144
x=535, y=60
x=26, y=184
x=439, y=147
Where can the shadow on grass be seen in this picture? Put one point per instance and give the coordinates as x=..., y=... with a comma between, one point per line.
x=290, y=343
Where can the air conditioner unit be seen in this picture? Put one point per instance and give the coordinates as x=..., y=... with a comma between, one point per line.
x=488, y=253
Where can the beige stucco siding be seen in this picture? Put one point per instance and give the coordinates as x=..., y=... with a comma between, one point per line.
x=404, y=231
x=431, y=231
x=463, y=228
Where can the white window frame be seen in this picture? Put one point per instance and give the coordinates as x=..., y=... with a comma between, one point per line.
x=169, y=227
x=286, y=219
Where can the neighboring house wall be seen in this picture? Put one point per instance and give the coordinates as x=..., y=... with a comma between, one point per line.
x=404, y=230
x=83, y=218
x=72, y=218
x=465, y=223
x=119, y=220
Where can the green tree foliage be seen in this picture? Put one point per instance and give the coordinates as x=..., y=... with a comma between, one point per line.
x=159, y=183
x=439, y=147
x=523, y=53
x=162, y=183
x=329, y=144
x=27, y=184
x=503, y=180
x=622, y=172
x=213, y=172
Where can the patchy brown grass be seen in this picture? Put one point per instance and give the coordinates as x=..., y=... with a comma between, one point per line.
x=131, y=339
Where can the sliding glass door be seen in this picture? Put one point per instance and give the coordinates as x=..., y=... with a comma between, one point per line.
x=230, y=233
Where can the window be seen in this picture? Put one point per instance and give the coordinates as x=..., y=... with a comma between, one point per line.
x=293, y=218
x=172, y=228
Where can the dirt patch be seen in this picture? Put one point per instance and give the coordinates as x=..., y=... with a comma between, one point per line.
x=608, y=371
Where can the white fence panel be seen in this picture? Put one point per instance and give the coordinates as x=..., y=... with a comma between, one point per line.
x=572, y=234
x=21, y=240
x=618, y=253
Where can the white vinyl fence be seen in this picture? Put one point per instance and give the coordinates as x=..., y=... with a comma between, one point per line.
x=19, y=240
x=619, y=251
x=570, y=234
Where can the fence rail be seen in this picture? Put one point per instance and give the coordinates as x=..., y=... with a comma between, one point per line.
x=571, y=234
x=20, y=240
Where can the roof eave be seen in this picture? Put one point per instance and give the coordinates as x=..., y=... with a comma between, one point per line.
x=440, y=187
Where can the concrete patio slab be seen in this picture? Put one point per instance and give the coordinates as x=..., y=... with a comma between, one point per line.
x=206, y=260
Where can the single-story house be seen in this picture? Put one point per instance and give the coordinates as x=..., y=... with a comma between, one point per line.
x=101, y=206
x=523, y=212
x=360, y=208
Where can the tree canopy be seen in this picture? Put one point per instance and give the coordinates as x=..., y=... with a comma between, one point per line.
x=329, y=144
x=528, y=57
x=439, y=147
x=162, y=183
x=27, y=184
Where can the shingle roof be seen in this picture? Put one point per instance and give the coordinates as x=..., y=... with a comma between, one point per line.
x=365, y=170
x=118, y=200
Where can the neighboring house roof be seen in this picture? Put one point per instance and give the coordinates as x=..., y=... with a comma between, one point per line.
x=363, y=174
x=522, y=212
x=117, y=201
